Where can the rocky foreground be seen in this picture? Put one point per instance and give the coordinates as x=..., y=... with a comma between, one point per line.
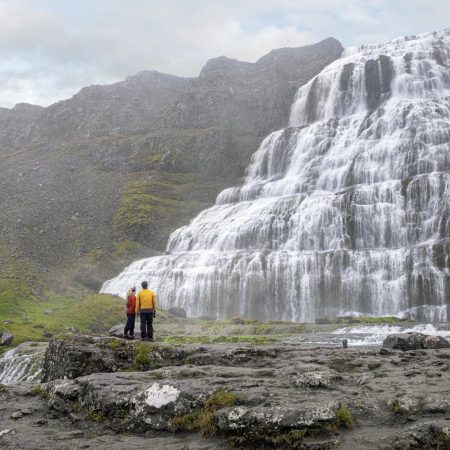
x=111, y=393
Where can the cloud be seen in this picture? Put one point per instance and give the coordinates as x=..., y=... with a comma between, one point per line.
x=51, y=48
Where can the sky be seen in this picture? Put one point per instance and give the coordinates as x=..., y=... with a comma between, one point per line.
x=49, y=49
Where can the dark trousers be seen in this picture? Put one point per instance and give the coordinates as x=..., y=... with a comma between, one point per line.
x=129, y=327
x=146, y=324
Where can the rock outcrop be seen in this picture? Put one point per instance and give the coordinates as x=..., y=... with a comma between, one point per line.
x=85, y=355
x=280, y=396
x=414, y=341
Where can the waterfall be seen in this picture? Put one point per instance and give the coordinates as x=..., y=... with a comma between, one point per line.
x=23, y=363
x=346, y=209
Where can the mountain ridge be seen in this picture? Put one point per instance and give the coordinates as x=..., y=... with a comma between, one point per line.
x=113, y=170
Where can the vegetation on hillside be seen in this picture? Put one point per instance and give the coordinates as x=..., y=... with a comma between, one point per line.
x=156, y=203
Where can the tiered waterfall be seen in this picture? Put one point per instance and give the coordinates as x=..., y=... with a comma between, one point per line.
x=345, y=210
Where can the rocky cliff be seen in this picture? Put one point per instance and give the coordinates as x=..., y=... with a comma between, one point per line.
x=116, y=168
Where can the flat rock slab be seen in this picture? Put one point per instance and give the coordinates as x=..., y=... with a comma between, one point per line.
x=53, y=430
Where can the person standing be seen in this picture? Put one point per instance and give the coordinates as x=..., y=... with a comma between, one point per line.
x=131, y=314
x=146, y=310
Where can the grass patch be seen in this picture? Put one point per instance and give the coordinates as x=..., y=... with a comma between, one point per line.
x=234, y=339
x=404, y=410
x=39, y=390
x=30, y=318
x=344, y=417
x=162, y=202
x=202, y=420
x=366, y=320
x=95, y=416
x=116, y=344
x=142, y=359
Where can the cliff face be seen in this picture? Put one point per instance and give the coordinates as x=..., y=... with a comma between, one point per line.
x=119, y=167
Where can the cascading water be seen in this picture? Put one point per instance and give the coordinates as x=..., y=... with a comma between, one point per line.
x=23, y=363
x=347, y=209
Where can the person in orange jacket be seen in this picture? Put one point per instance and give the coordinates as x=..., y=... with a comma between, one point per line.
x=146, y=310
x=131, y=314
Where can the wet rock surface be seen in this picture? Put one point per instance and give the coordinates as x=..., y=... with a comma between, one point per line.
x=47, y=429
x=279, y=396
x=414, y=341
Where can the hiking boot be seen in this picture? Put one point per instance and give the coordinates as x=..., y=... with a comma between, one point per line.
x=131, y=338
x=150, y=340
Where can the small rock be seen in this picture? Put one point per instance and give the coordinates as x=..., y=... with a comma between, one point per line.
x=40, y=422
x=316, y=379
x=5, y=338
x=385, y=352
x=373, y=365
x=117, y=330
x=364, y=379
x=16, y=415
x=27, y=412
x=412, y=373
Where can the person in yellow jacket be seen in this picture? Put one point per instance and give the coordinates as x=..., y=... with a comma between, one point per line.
x=146, y=310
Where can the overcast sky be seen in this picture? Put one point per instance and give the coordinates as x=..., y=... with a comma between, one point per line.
x=49, y=49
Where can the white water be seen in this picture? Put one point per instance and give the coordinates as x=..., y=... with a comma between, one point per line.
x=23, y=363
x=345, y=210
x=365, y=335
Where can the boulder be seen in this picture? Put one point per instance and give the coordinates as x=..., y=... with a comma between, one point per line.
x=414, y=341
x=84, y=355
x=5, y=338
x=117, y=330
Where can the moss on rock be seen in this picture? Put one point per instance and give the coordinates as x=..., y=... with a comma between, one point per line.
x=344, y=417
x=203, y=420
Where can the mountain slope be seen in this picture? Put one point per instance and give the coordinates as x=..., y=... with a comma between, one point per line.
x=93, y=180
